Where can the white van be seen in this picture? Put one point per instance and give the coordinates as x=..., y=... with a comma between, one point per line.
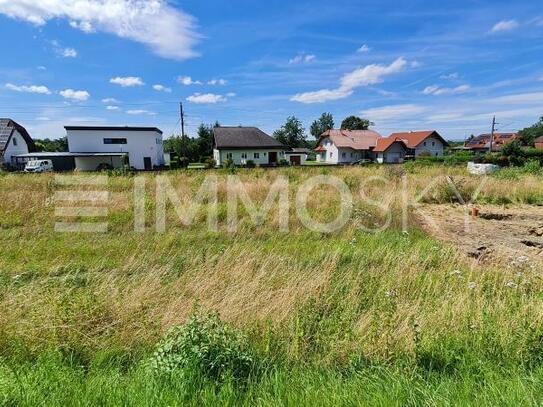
x=39, y=166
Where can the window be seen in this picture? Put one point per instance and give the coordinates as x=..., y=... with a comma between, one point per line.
x=244, y=155
x=256, y=155
x=331, y=154
x=425, y=143
x=115, y=141
x=158, y=140
x=229, y=156
x=343, y=155
x=433, y=143
x=351, y=155
x=14, y=141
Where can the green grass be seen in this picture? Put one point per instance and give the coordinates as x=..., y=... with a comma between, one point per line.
x=348, y=318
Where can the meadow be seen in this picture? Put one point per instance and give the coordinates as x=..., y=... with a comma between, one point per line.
x=378, y=312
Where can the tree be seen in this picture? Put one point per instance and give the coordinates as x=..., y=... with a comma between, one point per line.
x=322, y=124
x=205, y=141
x=58, y=145
x=355, y=123
x=529, y=134
x=291, y=133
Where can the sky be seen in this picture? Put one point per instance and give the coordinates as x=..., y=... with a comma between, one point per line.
x=405, y=65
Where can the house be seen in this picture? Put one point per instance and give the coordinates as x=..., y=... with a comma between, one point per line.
x=92, y=148
x=14, y=140
x=297, y=156
x=538, y=142
x=481, y=143
x=390, y=151
x=346, y=146
x=243, y=144
x=427, y=142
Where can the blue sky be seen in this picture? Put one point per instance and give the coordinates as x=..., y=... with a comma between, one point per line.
x=406, y=65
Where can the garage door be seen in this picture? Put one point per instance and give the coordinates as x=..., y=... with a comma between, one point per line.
x=295, y=160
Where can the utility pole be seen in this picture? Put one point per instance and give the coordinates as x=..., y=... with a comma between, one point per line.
x=182, y=125
x=492, y=133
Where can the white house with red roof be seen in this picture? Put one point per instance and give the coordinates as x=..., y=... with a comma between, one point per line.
x=428, y=142
x=390, y=151
x=346, y=146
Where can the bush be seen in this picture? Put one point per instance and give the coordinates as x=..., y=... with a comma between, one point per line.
x=207, y=345
x=283, y=162
x=210, y=162
x=229, y=164
x=183, y=162
x=250, y=164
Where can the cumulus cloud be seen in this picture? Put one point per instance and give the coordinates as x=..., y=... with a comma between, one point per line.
x=77, y=95
x=110, y=107
x=453, y=75
x=302, y=59
x=69, y=53
x=110, y=101
x=504, y=25
x=162, y=88
x=140, y=112
x=206, y=98
x=187, y=81
x=364, y=48
x=127, y=81
x=166, y=30
x=368, y=75
x=437, y=91
x=43, y=90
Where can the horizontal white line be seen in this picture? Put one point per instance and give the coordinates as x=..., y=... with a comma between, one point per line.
x=94, y=196
x=81, y=180
x=65, y=227
x=89, y=211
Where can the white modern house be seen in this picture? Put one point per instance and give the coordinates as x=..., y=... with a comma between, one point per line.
x=14, y=140
x=428, y=142
x=243, y=144
x=346, y=146
x=95, y=147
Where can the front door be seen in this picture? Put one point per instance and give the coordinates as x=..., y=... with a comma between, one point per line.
x=272, y=157
x=147, y=163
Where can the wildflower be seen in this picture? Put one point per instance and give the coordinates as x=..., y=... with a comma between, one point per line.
x=472, y=285
x=511, y=284
x=456, y=273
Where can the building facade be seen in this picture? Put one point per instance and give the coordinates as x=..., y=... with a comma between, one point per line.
x=14, y=141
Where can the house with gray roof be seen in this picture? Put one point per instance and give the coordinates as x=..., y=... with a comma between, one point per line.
x=243, y=144
x=14, y=140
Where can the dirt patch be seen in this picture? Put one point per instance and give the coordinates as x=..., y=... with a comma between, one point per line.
x=497, y=235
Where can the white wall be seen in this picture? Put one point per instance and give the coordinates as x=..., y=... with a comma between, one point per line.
x=12, y=149
x=394, y=154
x=337, y=155
x=431, y=145
x=140, y=144
x=220, y=156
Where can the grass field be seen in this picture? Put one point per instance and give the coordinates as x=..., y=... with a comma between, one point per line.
x=390, y=317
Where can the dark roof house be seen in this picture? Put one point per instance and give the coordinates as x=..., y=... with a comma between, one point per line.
x=482, y=141
x=238, y=138
x=8, y=128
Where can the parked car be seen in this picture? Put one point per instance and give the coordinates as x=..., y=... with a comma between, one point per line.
x=39, y=166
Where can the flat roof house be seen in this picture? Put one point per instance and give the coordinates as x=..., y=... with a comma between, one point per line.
x=427, y=142
x=94, y=147
x=14, y=140
x=242, y=144
x=346, y=146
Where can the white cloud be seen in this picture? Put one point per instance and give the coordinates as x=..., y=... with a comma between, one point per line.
x=68, y=53
x=393, y=112
x=368, y=75
x=364, y=48
x=140, y=112
x=110, y=107
x=438, y=91
x=231, y=94
x=43, y=119
x=187, y=81
x=206, y=98
x=127, y=81
x=302, y=59
x=217, y=82
x=78, y=95
x=162, y=88
x=453, y=75
x=43, y=90
x=42, y=68
x=110, y=101
x=166, y=30
x=504, y=25
x=415, y=64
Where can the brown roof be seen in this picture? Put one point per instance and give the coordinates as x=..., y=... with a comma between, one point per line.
x=355, y=139
x=320, y=149
x=383, y=144
x=414, y=138
x=482, y=141
x=7, y=128
x=244, y=137
x=539, y=140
